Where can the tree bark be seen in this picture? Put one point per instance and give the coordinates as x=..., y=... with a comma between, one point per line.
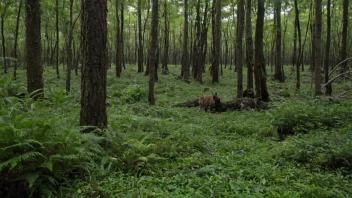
x=57, y=39
x=344, y=35
x=216, y=41
x=239, y=51
x=140, y=39
x=328, y=90
x=279, y=75
x=69, y=51
x=300, y=53
x=260, y=74
x=33, y=48
x=166, y=40
x=153, y=50
x=16, y=38
x=118, y=42
x=3, y=37
x=249, y=45
x=317, y=47
x=185, y=56
x=94, y=63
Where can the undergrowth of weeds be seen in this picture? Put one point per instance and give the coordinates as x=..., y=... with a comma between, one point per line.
x=164, y=151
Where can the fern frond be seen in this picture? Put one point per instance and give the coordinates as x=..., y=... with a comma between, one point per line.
x=20, y=158
x=31, y=178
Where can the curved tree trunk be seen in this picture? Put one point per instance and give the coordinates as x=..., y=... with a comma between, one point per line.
x=300, y=52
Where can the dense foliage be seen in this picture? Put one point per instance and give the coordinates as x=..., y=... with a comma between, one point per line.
x=163, y=151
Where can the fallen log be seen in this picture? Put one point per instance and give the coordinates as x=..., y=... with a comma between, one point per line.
x=233, y=105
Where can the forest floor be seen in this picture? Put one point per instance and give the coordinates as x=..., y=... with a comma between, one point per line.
x=165, y=151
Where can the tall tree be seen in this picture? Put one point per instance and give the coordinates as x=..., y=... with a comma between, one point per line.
x=153, y=50
x=249, y=44
x=33, y=48
x=279, y=74
x=300, y=52
x=239, y=51
x=327, y=48
x=16, y=37
x=259, y=71
x=185, y=56
x=94, y=63
x=317, y=46
x=216, y=40
x=119, y=53
x=166, y=39
x=140, y=39
x=344, y=34
x=57, y=39
x=69, y=50
x=6, y=4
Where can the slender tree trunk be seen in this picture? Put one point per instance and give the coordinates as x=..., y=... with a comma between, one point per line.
x=121, y=36
x=119, y=61
x=3, y=37
x=300, y=53
x=69, y=51
x=140, y=39
x=327, y=49
x=93, y=78
x=216, y=41
x=153, y=50
x=317, y=49
x=33, y=48
x=144, y=27
x=260, y=74
x=249, y=45
x=239, y=51
x=185, y=58
x=18, y=17
x=57, y=39
x=278, y=62
x=166, y=40
x=344, y=35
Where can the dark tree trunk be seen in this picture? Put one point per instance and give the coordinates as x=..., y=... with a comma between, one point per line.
x=249, y=45
x=33, y=48
x=260, y=74
x=57, y=39
x=3, y=37
x=216, y=40
x=239, y=51
x=16, y=38
x=279, y=75
x=300, y=53
x=144, y=27
x=344, y=35
x=327, y=49
x=69, y=50
x=121, y=35
x=119, y=54
x=153, y=51
x=140, y=39
x=185, y=56
x=93, y=72
x=317, y=49
x=166, y=40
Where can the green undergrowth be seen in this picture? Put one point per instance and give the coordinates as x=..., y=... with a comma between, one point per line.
x=164, y=151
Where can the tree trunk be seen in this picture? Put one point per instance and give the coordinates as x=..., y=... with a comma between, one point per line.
x=317, y=49
x=57, y=39
x=216, y=41
x=144, y=27
x=166, y=40
x=300, y=52
x=93, y=77
x=239, y=51
x=33, y=48
x=344, y=35
x=327, y=49
x=260, y=74
x=185, y=58
x=140, y=39
x=69, y=51
x=278, y=62
x=153, y=50
x=249, y=45
x=119, y=54
x=16, y=38
x=3, y=37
